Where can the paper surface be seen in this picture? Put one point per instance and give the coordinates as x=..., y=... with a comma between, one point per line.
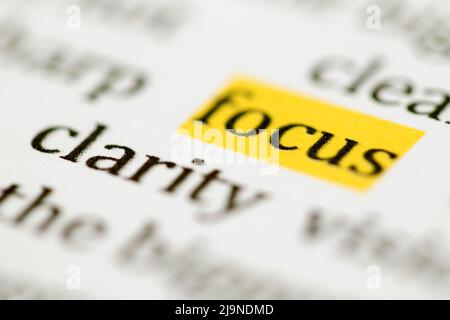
x=102, y=197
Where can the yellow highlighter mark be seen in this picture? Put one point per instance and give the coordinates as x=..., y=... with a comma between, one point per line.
x=306, y=135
